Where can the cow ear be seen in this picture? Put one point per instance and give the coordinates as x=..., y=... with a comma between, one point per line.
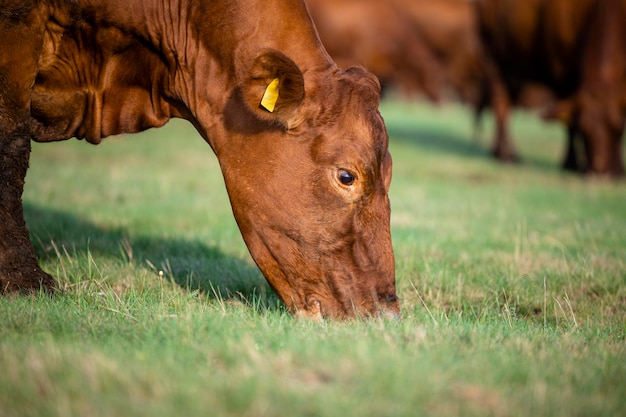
x=274, y=87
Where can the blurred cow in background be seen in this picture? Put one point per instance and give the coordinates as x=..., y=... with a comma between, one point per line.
x=427, y=47
x=577, y=49
x=380, y=36
x=493, y=53
x=413, y=46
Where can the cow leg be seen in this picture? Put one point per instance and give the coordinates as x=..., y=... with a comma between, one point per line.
x=570, y=163
x=604, y=147
x=616, y=146
x=604, y=153
x=574, y=160
x=19, y=271
x=596, y=143
x=617, y=162
x=503, y=148
x=603, y=130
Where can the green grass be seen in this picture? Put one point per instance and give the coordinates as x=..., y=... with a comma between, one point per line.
x=512, y=280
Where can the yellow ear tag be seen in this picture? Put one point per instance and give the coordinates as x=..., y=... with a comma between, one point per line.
x=270, y=97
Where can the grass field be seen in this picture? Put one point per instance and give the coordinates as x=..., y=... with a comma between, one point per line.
x=512, y=281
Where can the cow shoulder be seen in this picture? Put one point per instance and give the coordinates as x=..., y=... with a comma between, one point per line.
x=94, y=81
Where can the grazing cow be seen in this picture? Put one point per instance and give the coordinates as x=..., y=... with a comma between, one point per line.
x=577, y=49
x=414, y=46
x=302, y=147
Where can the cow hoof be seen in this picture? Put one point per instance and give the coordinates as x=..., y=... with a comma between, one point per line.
x=30, y=281
x=506, y=157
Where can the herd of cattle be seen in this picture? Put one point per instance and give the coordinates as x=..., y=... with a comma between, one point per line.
x=567, y=58
x=301, y=144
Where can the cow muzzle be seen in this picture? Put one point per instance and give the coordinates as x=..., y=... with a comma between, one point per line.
x=385, y=307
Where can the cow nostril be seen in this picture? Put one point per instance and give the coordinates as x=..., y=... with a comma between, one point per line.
x=391, y=298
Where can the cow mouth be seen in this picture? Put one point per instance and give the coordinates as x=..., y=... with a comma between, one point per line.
x=334, y=286
x=312, y=311
x=345, y=291
x=361, y=288
x=388, y=310
x=334, y=298
x=391, y=308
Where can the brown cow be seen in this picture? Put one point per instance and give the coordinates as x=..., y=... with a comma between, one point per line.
x=302, y=147
x=413, y=46
x=577, y=49
x=383, y=38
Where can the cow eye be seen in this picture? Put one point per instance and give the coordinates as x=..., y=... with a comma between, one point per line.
x=345, y=177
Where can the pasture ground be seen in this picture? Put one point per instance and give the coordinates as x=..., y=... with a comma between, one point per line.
x=512, y=281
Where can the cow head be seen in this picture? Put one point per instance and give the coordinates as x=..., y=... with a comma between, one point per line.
x=303, y=149
x=307, y=171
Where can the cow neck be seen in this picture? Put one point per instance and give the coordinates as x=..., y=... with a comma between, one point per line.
x=209, y=46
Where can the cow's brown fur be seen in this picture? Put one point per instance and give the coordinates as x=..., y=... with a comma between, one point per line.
x=577, y=49
x=93, y=68
x=448, y=28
